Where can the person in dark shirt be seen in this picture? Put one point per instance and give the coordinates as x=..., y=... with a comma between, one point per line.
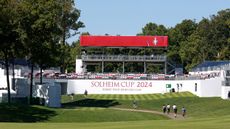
x=164, y=109
x=183, y=110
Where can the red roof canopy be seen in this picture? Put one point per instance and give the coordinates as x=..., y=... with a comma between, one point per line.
x=124, y=41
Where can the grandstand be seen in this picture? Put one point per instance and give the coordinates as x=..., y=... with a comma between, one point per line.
x=102, y=43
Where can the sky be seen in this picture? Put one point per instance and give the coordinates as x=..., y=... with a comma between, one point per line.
x=128, y=17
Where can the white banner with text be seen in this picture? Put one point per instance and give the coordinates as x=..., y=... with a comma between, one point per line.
x=127, y=86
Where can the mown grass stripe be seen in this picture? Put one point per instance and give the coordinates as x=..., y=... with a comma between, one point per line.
x=98, y=96
x=108, y=96
x=102, y=96
x=168, y=95
x=117, y=97
x=178, y=94
x=134, y=97
x=152, y=96
x=182, y=94
x=186, y=94
x=123, y=97
x=160, y=96
x=143, y=97
x=155, y=96
x=147, y=97
x=93, y=96
x=129, y=97
x=189, y=94
x=139, y=97
x=174, y=95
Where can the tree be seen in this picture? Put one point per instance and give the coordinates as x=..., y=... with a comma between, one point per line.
x=210, y=41
x=8, y=34
x=221, y=34
x=178, y=35
x=69, y=23
x=153, y=29
x=39, y=31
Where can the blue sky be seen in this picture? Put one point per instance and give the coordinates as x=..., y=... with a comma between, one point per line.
x=128, y=17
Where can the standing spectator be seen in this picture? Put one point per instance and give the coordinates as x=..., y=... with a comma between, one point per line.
x=86, y=93
x=168, y=108
x=175, y=110
x=164, y=109
x=178, y=87
x=183, y=111
x=134, y=104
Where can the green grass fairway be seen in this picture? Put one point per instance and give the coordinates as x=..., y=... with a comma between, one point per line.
x=153, y=124
x=95, y=112
x=101, y=115
x=196, y=107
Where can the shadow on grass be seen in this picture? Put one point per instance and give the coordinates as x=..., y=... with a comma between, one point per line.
x=91, y=103
x=24, y=113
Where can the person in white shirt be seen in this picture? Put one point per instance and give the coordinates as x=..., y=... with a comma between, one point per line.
x=175, y=110
x=168, y=108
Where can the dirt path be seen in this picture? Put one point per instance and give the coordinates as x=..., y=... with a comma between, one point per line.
x=171, y=115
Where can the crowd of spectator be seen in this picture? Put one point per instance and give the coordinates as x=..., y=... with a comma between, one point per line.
x=130, y=76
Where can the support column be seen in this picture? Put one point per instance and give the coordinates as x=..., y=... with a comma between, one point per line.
x=166, y=62
x=123, y=67
x=165, y=65
x=144, y=67
x=102, y=66
x=102, y=63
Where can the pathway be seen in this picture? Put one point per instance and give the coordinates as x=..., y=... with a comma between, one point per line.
x=171, y=115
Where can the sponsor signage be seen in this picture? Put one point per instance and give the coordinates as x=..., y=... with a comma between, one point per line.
x=168, y=86
x=124, y=41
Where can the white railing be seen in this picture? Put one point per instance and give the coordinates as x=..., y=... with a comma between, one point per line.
x=123, y=58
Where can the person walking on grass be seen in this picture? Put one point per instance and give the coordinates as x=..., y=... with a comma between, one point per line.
x=164, y=109
x=175, y=110
x=183, y=110
x=134, y=104
x=168, y=108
